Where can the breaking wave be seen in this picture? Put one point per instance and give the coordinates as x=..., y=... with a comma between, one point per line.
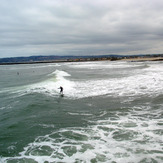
x=126, y=137
x=148, y=82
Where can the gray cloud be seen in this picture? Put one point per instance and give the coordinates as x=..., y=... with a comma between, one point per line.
x=70, y=27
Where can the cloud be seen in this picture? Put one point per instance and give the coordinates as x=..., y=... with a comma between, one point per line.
x=87, y=27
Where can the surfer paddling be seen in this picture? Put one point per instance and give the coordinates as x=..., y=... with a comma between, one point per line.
x=61, y=90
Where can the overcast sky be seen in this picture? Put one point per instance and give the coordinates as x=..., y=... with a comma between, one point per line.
x=80, y=27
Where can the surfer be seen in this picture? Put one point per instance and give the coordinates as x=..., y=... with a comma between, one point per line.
x=61, y=90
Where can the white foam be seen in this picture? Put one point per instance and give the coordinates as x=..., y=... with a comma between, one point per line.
x=83, y=114
x=146, y=81
x=128, y=86
x=143, y=81
x=127, y=138
x=102, y=65
x=49, y=86
x=60, y=74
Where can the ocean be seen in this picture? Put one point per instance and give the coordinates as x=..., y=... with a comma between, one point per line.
x=111, y=112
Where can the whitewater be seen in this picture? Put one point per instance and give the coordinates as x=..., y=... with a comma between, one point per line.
x=111, y=112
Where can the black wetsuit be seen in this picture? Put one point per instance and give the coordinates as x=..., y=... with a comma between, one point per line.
x=61, y=89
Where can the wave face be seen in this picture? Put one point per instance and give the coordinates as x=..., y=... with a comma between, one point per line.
x=96, y=79
x=110, y=112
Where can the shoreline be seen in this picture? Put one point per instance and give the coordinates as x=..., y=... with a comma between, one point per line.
x=138, y=59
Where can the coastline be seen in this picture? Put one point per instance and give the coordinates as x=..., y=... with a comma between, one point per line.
x=130, y=59
x=140, y=59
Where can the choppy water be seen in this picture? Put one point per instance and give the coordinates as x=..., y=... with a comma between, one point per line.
x=111, y=112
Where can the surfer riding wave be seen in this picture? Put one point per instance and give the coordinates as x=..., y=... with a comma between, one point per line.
x=61, y=90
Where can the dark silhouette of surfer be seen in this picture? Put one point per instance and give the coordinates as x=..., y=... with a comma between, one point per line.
x=61, y=90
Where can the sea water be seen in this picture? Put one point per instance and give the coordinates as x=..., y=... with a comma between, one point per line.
x=111, y=112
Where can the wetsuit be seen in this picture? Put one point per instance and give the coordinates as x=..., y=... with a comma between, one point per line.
x=61, y=90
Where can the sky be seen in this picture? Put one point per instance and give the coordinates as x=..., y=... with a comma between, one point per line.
x=80, y=27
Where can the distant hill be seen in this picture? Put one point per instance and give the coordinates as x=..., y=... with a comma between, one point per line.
x=33, y=59
x=44, y=59
x=30, y=59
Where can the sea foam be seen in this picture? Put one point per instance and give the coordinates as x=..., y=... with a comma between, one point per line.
x=147, y=81
x=126, y=138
